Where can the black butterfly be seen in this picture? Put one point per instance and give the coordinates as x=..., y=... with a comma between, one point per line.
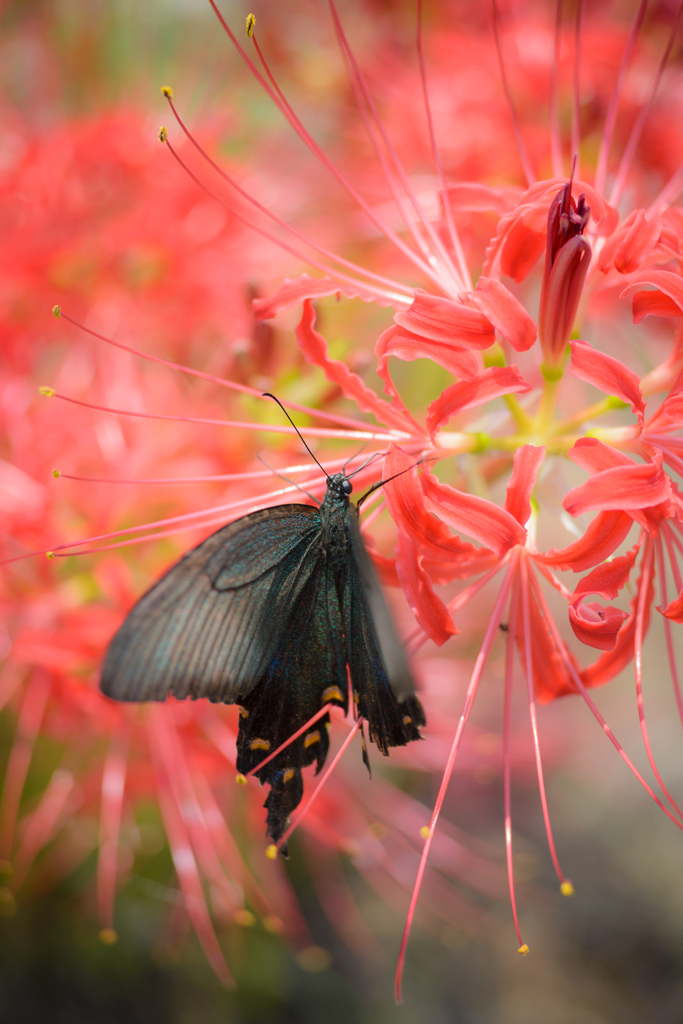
x=267, y=613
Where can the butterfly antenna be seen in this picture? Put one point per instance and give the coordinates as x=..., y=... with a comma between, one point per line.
x=381, y=483
x=375, y=455
x=267, y=394
x=287, y=479
x=364, y=445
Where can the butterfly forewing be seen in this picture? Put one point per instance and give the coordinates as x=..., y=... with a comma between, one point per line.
x=211, y=625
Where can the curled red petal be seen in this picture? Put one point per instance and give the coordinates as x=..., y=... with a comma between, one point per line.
x=654, y=303
x=526, y=464
x=428, y=608
x=594, y=455
x=401, y=344
x=603, y=536
x=621, y=488
x=406, y=503
x=443, y=320
x=665, y=281
x=631, y=244
x=474, y=516
x=314, y=348
x=612, y=662
x=674, y=609
x=608, y=374
x=505, y=312
x=490, y=383
x=294, y=290
x=607, y=579
x=595, y=625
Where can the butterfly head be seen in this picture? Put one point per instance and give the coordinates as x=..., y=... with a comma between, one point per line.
x=339, y=485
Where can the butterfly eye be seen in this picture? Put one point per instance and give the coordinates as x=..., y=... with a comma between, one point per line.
x=346, y=486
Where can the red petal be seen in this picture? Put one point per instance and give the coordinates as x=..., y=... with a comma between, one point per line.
x=474, y=516
x=526, y=464
x=406, y=504
x=630, y=246
x=293, y=291
x=608, y=374
x=667, y=282
x=622, y=488
x=595, y=625
x=314, y=348
x=594, y=456
x=602, y=537
x=674, y=610
x=654, y=303
x=403, y=345
x=612, y=662
x=445, y=321
x=550, y=673
x=608, y=579
x=428, y=608
x=491, y=383
x=505, y=312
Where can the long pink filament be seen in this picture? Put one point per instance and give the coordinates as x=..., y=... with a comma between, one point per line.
x=636, y=131
x=436, y=156
x=576, y=108
x=316, y=792
x=528, y=657
x=555, y=140
x=113, y=786
x=479, y=665
x=576, y=679
x=610, y=119
x=356, y=268
x=646, y=578
x=30, y=717
x=521, y=148
x=298, y=127
x=295, y=736
x=221, y=381
x=353, y=435
x=507, y=711
x=667, y=625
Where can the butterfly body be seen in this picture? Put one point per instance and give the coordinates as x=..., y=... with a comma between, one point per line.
x=273, y=612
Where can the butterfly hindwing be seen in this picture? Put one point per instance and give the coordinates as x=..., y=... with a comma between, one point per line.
x=392, y=711
x=308, y=670
x=211, y=625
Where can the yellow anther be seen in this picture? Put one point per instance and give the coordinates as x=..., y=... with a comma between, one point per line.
x=245, y=918
x=313, y=737
x=56, y=474
x=271, y=851
x=240, y=779
x=288, y=774
x=424, y=831
x=407, y=719
x=567, y=889
x=332, y=693
x=523, y=950
x=244, y=713
x=108, y=936
x=258, y=744
x=47, y=392
x=163, y=133
x=49, y=554
x=57, y=310
x=167, y=91
x=251, y=24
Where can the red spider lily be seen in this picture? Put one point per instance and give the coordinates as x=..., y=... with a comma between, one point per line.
x=479, y=334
